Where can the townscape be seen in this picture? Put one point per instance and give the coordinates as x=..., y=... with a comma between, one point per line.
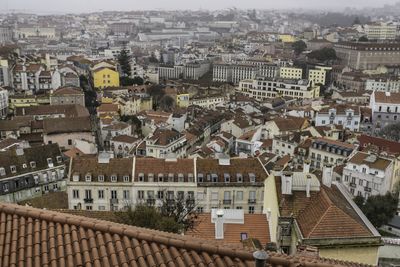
x=200, y=138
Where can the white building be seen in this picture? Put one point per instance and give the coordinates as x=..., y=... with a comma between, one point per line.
x=385, y=85
x=347, y=116
x=263, y=88
x=368, y=175
x=3, y=103
x=380, y=31
x=209, y=102
x=164, y=142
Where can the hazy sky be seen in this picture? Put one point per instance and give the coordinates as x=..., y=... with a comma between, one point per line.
x=77, y=6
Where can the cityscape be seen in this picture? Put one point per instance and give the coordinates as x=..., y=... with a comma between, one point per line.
x=221, y=134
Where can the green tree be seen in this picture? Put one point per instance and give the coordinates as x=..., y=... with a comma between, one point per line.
x=175, y=215
x=299, y=47
x=124, y=61
x=363, y=39
x=138, y=80
x=167, y=103
x=379, y=209
x=391, y=131
x=324, y=54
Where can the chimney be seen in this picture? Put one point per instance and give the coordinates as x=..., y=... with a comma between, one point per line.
x=308, y=185
x=327, y=173
x=219, y=225
x=260, y=257
x=306, y=167
x=287, y=181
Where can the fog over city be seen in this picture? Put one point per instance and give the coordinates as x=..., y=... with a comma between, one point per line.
x=77, y=6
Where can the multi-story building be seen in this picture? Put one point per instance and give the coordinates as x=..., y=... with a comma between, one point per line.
x=3, y=103
x=347, y=116
x=324, y=151
x=105, y=77
x=368, y=55
x=209, y=102
x=206, y=183
x=164, y=142
x=6, y=35
x=385, y=107
x=384, y=84
x=190, y=71
x=68, y=96
x=30, y=172
x=368, y=175
x=380, y=31
x=234, y=73
x=26, y=77
x=27, y=32
x=263, y=88
x=318, y=74
x=291, y=73
x=45, y=80
x=6, y=77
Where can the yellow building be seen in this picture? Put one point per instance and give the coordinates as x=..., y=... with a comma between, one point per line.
x=318, y=75
x=287, y=38
x=105, y=77
x=290, y=73
x=182, y=99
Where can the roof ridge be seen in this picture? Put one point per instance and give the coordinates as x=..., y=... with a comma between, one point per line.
x=165, y=238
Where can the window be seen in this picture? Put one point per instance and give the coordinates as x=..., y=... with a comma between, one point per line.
x=113, y=178
x=346, y=178
x=33, y=164
x=126, y=178
x=364, y=170
x=89, y=207
x=239, y=178
x=227, y=195
x=69, y=142
x=24, y=166
x=171, y=177
x=141, y=177
x=200, y=195
x=252, y=195
x=160, y=194
x=200, y=177
x=114, y=194
x=101, y=178
x=102, y=208
x=190, y=178
x=13, y=169
x=239, y=195
x=100, y=194
x=2, y=171
x=251, y=209
x=75, y=194
x=227, y=177
x=252, y=177
x=140, y=194
x=360, y=182
x=150, y=194
x=50, y=162
x=160, y=177
x=88, y=194
x=59, y=159
x=181, y=178
x=150, y=177
x=200, y=209
x=88, y=178
x=214, y=195
x=126, y=194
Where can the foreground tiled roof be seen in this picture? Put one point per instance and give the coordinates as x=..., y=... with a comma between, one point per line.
x=33, y=237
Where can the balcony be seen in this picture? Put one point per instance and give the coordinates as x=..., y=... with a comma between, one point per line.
x=353, y=185
x=367, y=189
x=113, y=201
x=88, y=200
x=252, y=201
x=190, y=202
x=227, y=201
x=151, y=201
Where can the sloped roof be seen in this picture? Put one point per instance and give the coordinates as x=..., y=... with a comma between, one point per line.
x=67, y=125
x=255, y=225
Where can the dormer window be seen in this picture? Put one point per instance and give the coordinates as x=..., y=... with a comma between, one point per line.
x=126, y=178
x=113, y=178
x=239, y=178
x=13, y=169
x=252, y=177
x=100, y=178
x=227, y=177
x=181, y=178
x=141, y=177
x=214, y=178
x=160, y=177
x=170, y=177
x=24, y=166
x=151, y=177
x=2, y=171
x=33, y=164
x=200, y=177
x=59, y=159
x=75, y=177
x=88, y=177
x=190, y=178
x=50, y=162
x=5, y=187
